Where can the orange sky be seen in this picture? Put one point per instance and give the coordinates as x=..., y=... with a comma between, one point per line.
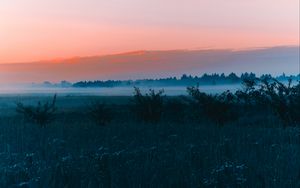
x=33, y=30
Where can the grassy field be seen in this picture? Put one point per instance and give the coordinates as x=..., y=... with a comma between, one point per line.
x=73, y=151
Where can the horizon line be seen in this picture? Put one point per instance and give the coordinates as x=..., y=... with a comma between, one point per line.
x=158, y=78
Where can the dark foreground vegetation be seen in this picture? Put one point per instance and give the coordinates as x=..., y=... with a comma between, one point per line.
x=250, y=138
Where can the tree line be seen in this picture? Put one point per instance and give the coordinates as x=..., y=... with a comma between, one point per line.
x=184, y=80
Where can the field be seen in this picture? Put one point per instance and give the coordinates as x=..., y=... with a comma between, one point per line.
x=73, y=151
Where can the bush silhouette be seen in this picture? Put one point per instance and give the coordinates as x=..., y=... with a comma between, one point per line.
x=249, y=96
x=295, y=103
x=217, y=108
x=42, y=114
x=267, y=92
x=283, y=99
x=148, y=107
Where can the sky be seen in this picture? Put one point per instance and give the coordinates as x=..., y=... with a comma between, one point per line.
x=32, y=30
x=155, y=64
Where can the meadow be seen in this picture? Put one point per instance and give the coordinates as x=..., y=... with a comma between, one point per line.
x=149, y=140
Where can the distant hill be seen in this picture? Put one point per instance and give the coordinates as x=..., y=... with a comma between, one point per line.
x=155, y=64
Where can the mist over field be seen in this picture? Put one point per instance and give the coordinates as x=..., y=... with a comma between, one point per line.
x=115, y=91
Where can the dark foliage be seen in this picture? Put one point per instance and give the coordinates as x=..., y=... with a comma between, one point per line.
x=42, y=114
x=148, y=107
x=218, y=108
x=269, y=93
x=98, y=83
x=249, y=95
x=283, y=99
x=264, y=93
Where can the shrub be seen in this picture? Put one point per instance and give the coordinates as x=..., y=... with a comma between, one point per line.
x=249, y=95
x=42, y=114
x=295, y=103
x=148, y=107
x=283, y=99
x=267, y=92
x=100, y=113
x=217, y=108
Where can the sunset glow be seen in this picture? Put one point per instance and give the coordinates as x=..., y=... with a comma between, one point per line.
x=32, y=30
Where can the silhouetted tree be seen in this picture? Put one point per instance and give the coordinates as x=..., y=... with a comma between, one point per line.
x=42, y=114
x=148, y=107
x=218, y=108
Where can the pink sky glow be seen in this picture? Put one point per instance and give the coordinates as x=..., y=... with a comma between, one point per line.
x=32, y=30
